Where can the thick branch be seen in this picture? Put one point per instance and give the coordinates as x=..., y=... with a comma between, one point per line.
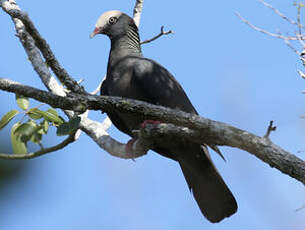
x=198, y=128
x=52, y=85
x=222, y=134
x=97, y=132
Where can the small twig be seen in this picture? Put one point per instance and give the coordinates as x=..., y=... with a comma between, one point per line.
x=40, y=145
x=269, y=130
x=80, y=81
x=98, y=88
x=299, y=20
x=300, y=208
x=157, y=36
x=288, y=38
x=291, y=47
x=279, y=13
x=41, y=152
x=302, y=75
x=106, y=123
x=301, y=41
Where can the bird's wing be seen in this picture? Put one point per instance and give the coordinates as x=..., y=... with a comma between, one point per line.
x=114, y=116
x=159, y=86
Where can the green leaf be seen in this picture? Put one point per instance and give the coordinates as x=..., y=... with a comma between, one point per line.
x=51, y=116
x=26, y=130
x=44, y=127
x=53, y=111
x=68, y=127
x=7, y=118
x=22, y=102
x=34, y=114
x=36, y=138
x=19, y=147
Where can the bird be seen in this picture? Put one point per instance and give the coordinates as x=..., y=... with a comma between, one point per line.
x=131, y=75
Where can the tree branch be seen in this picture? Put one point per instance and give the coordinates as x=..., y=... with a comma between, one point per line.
x=298, y=36
x=162, y=33
x=97, y=132
x=194, y=128
x=49, y=81
x=14, y=11
x=67, y=141
x=270, y=129
x=286, y=38
x=137, y=11
x=276, y=11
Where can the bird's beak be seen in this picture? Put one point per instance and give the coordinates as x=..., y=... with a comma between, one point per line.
x=95, y=32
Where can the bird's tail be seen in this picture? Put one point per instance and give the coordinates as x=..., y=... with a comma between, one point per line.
x=213, y=197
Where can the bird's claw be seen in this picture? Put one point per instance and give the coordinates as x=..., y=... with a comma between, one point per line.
x=128, y=147
x=151, y=122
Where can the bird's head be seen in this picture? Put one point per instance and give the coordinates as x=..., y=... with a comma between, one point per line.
x=112, y=23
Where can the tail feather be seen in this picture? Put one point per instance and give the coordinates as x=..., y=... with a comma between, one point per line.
x=213, y=197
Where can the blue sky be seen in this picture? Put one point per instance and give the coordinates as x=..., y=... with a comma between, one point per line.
x=231, y=74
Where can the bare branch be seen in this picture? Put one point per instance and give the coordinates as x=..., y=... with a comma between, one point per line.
x=41, y=152
x=300, y=208
x=36, y=60
x=14, y=11
x=162, y=32
x=270, y=129
x=291, y=38
x=98, y=88
x=137, y=11
x=97, y=132
x=299, y=20
x=208, y=131
x=223, y=134
x=288, y=43
x=40, y=95
x=279, y=13
x=302, y=75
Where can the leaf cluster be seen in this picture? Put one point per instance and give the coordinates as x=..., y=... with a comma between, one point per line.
x=36, y=125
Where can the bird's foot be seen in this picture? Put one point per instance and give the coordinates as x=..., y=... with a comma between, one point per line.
x=151, y=122
x=128, y=147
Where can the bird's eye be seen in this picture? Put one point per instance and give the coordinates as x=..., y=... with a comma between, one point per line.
x=112, y=20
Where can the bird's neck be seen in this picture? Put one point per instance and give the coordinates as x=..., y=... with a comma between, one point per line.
x=127, y=44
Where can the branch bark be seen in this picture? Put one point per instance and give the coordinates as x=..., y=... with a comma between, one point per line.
x=193, y=127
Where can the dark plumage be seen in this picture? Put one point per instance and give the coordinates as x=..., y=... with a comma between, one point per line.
x=130, y=75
